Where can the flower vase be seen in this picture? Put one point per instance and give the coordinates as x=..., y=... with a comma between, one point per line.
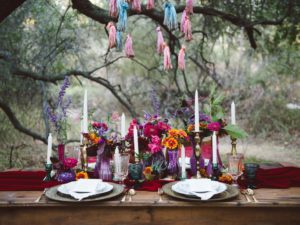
x=159, y=164
x=61, y=152
x=102, y=168
x=173, y=163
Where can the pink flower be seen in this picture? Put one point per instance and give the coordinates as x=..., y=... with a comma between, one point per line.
x=154, y=148
x=115, y=116
x=155, y=140
x=70, y=162
x=150, y=130
x=163, y=126
x=214, y=126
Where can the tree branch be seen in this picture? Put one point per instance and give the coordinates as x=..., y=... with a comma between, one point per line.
x=17, y=125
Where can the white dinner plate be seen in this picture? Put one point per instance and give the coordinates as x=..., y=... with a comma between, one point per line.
x=198, y=186
x=101, y=189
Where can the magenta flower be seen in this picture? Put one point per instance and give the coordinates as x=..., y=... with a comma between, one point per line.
x=214, y=126
x=150, y=130
x=154, y=148
x=155, y=140
x=163, y=126
x=69, y=163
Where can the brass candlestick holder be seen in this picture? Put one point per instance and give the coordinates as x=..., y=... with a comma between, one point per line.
x=83, y=153
x=233, y=146
x=197, y=151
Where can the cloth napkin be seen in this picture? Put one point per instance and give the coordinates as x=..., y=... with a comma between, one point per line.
x=85, y=188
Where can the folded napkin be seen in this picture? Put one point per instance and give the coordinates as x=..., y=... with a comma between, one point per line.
x=200, y=185
x=84, y=188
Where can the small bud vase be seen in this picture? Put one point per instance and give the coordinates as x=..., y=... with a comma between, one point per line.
x=173, y=163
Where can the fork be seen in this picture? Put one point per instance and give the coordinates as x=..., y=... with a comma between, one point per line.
x=245, y=193
x=39, y=198
x=251, y=193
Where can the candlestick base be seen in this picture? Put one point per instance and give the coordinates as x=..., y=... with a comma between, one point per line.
x=197, y=152
x=216, y=172
x=48, y=169
x=233, y=146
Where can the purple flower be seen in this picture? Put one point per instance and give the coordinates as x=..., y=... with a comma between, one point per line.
x=214, y=126
x=62, y=91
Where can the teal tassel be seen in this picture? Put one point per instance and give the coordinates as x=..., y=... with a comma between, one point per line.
x=119, y=41
x=170, y=19
x=122, y=21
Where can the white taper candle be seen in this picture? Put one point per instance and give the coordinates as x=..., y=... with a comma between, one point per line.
x=196, y=112
x=233, y=122
x=214, y=148
x=49, y=149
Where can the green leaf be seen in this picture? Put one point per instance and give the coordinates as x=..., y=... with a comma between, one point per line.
x=235, y=132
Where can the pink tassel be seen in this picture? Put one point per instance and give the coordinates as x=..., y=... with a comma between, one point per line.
x=111, y=34
x=167, y=57
x=128, y=47
x=181, y=56
x=150, y=4
x=136, y=5
x=160, y=41
x=189, y=6
x=183, y=18
x=187, y=29
x=113, y=9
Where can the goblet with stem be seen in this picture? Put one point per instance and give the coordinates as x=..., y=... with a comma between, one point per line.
x=121, y=167
x=235, y=167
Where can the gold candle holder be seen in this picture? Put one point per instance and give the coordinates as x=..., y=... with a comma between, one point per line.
x=83, y=154
x=197, y=152
x=233, y=146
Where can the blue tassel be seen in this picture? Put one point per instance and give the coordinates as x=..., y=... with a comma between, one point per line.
x=170, y=19
x=119, y=41
x=122, y=21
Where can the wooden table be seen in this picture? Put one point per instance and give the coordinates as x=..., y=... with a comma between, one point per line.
x=275, y=207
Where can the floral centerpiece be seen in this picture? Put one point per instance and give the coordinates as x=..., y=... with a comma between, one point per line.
x=102, y=142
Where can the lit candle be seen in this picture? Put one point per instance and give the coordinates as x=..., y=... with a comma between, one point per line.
x=232, y=113
x=123, y=130
x=49, y=150
x=214, y=148
x=85, y=113
x=196, y=112
x=183, y=166
x=136, y=142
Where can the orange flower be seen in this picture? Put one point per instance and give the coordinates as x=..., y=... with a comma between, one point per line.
x=96, y=140
x=81, y=175
x=173, y=133
x=147, y=170
x=182, y=133
x=190, y=128
x=171, y=143
x=203, y=125
x=92, y=136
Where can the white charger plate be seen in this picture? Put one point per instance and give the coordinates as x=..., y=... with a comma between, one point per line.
x=66, y=188
x=199, y=185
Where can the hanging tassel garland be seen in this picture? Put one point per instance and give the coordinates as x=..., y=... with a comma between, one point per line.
x=111, y=34
x=183, y=18
x=189, y=6
x=181, y=58
x=119, y=41
x=150, y=4
x=170, y=16
x=113, y=9
x=128, y=47
x=122, y=20
x=160, y=41
x=167, y=57
x=136, y=5
x=187, y=29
